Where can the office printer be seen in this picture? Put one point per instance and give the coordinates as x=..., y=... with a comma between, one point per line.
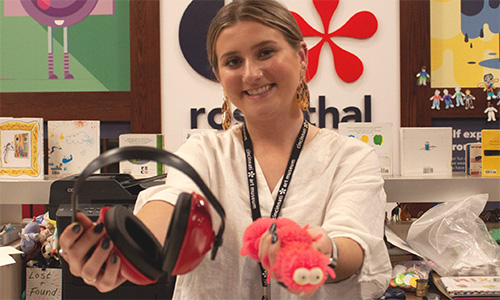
x=98, y=191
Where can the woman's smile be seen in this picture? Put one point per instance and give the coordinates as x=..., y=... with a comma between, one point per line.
x=259, y=91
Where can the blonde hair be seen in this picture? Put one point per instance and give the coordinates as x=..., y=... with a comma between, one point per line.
x=267, y=12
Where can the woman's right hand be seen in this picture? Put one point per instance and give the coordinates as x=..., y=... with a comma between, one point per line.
x=89, y=255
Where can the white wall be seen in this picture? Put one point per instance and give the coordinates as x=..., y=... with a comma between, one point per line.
x=183, y=88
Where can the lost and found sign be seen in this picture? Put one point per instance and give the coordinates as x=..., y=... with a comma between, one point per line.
x=43, y=284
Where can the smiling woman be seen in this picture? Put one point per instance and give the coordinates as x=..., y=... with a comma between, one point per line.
x=275, y=164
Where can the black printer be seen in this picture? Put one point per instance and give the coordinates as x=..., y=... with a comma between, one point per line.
x=98, y=191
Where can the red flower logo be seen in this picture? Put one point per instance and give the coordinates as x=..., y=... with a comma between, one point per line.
x=361, y=25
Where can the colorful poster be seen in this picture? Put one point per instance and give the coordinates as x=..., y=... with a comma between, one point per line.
x=55, y=46
x=464, y=42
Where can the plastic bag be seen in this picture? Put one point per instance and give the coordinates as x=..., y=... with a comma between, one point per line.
x=452, y=235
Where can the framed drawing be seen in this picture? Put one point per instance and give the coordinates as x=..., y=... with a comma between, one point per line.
x=447, y=49
x=21, y=142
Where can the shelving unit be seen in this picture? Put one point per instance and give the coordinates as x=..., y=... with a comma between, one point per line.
x=26, y=191
x=13, y=193
x=440, y=189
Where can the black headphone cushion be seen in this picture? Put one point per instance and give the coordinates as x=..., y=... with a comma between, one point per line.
x=134, y=240
x=176, y=231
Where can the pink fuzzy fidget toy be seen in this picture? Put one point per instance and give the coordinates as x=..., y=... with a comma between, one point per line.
x=298, y=265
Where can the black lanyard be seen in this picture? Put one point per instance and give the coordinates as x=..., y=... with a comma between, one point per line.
x=285, y=183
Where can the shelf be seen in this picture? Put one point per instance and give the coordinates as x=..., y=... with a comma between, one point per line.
x=398, y=189
x=28, y=191
x=440, y=189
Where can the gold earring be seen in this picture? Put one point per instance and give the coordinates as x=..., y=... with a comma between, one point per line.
x=226, y=113
x=303, y=92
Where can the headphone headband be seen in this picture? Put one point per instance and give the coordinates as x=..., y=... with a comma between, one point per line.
x=148, y=153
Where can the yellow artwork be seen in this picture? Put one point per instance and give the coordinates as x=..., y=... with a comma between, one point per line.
x=20, y=149
x=464, y=42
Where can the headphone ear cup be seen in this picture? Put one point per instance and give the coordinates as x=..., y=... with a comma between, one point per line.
x=190, y=234
x=139, y=250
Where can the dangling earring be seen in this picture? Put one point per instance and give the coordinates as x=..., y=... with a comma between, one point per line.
x=226, y=113
x=303, y=92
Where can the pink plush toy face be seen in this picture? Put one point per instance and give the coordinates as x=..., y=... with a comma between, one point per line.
x=58, y=13
x=305, y=276
x=301, y=268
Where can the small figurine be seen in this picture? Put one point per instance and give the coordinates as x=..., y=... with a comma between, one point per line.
x=405, y=213
x=491, y=111
x=468, y=100
x=395, y=212
x=447, y=99
x=487, y=84
x=300, y=267
x=435, y=99
x=459, y=96
x=423, y=77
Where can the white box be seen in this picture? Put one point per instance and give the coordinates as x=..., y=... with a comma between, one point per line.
x=426, y=151
x=72, y=146
x=141, y=168
x=21, y=148
x=377, y=135
x=11, y=270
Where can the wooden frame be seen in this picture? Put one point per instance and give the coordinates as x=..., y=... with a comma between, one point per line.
x=415, y=52
x=141, y=106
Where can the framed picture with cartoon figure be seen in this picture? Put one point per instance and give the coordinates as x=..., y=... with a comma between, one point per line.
x=99, y=60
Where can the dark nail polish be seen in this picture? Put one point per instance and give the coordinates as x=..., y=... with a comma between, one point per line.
x=98, y=228
x=105, y=243
x=76, y=228
x=272, y=228
x=274, y=238
x=113, y=258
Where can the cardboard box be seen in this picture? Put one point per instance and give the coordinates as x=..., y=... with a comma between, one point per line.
x=490, y=140
x=11, y=268
x=43, y=284
x=426, y=151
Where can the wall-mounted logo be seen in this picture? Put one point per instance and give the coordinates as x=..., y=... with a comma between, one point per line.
x=361, y=25
x=199, y=13
x=193, y=33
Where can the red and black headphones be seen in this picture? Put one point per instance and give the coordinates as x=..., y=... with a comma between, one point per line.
x=190, y=233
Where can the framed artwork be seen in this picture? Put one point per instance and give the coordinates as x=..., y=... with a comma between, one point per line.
x=137, y=103
x=448, y=47
x=21, y=142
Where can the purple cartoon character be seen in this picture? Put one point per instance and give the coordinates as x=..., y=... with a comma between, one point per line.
x=59, y=14
x=447, y=99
